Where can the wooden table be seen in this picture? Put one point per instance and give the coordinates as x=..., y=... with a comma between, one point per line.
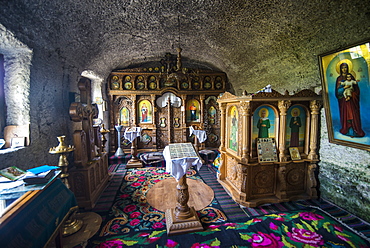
x=162, y=195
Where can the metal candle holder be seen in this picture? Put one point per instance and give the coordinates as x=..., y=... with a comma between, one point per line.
x=71, y=225
x=62, y=149
x=119, y=151
x=103, y=132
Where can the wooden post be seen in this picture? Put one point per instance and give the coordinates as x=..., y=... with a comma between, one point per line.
x=246, y=119
x=315, y=106
x=283, y=107
x=182, y=219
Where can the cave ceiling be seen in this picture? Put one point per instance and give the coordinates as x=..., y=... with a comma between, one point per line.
x=254, y=42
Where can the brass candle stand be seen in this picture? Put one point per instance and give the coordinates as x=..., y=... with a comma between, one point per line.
x=71, y=225
x=62, y=149
x=103, y=132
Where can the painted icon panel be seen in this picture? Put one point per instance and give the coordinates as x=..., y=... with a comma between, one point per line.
x=295, y=126
x=233, y=119
x=192, y=111
x=145, y=111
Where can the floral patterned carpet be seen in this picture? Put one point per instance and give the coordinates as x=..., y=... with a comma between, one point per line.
x=131, y=211
x=294, y=229
x=132, y=222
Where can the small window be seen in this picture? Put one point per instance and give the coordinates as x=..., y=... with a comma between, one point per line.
x=15, y=63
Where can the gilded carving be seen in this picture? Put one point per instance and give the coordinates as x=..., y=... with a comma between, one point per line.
x=296, y=178
x=283, y=106
x=227, y=96
x=92, y=180
x=274, y=93
x=305, y=93
x=262, y=179
x=315, y=106
x=245, y=108
x=234, y=172
x=311, y=176
x=78, y=184
x=252, y=182
x=282, y=174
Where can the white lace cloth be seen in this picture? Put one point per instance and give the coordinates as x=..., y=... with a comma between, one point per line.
x=201, y=134
x=178, y=167
x=132, y=133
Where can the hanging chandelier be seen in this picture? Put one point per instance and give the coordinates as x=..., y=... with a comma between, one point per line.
x=176, y=73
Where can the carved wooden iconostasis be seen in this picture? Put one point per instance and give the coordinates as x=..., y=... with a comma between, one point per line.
x=164, y=101
x=269, y=146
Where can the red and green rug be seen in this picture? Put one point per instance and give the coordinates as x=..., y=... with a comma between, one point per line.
x=129, y=221
x=311, y=228
x=131, y=212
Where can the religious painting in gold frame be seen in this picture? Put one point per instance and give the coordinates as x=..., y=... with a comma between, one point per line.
x=346, y=87
x=145, y=111
x=264, y=123
x=124, y=114
x=296, y=127
x=192, y=111
x=233, y=126
x=294, y=153
x=212, y=115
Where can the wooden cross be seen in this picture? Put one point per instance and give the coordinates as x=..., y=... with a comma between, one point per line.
x=84, y=111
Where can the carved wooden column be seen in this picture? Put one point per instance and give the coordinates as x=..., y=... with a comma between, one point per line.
x=169, y=120
x=183, y=117
x=282, y=194
x=306, y=146
x=311, y=181
x=133, y=111
x=202, y=110
x=154, y=129
x=112, y=135
x=152, y=98
x=315, y=106
x=182, y=209
x=246, y=119
x=283, y=107
x=223, y=126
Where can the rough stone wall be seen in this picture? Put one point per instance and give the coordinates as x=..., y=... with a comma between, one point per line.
x=37, y=94
x=344, y=175
x=255, y=42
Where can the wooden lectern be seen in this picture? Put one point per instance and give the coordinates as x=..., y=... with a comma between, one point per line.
x=179, y=158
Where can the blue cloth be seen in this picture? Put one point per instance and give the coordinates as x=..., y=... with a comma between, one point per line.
x=42, y=168
x=36, y=222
